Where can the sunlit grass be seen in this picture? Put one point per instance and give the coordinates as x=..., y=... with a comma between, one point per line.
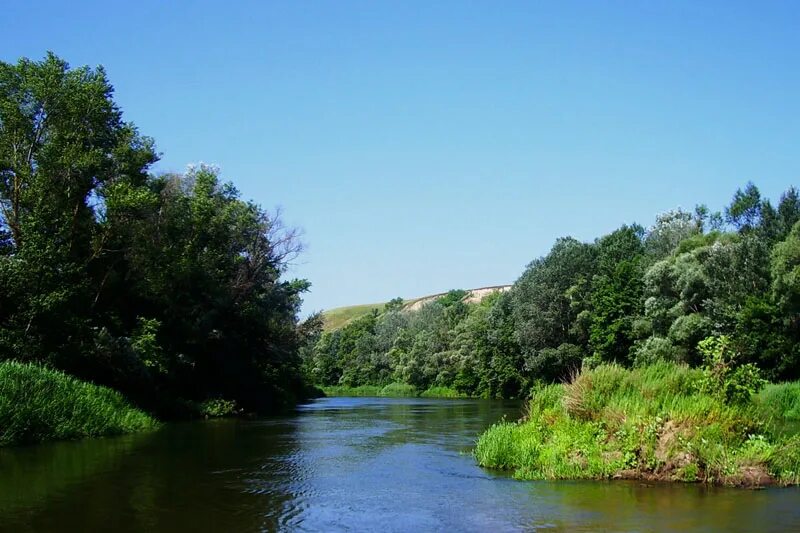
x=780, y=401
x=652, y=422
x=39, y=404
x=442, y=392
x=336, y=318
x=396, y=390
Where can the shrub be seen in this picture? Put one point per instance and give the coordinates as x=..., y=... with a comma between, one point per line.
x=735, y=384
x=656, y=349
x=217, y=408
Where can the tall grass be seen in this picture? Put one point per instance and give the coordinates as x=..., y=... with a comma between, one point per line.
x=396, y=390
x=343, y=390
x=38, y=404
x=442, y=392
x=780, y=402
x=399, y=390
x=653, y=422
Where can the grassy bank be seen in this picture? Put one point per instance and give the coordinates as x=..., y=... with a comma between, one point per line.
x=648, y=423
x=38, y=404
x=393, y=390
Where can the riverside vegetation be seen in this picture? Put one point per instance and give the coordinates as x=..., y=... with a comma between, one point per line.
x=665, y=352
x=128, y=297
x=165, y=288
x=660, y=422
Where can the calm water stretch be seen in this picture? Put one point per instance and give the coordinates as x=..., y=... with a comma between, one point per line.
x=343, y=464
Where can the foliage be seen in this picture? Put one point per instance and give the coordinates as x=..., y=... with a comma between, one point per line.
x=38, y=404
x=634, y=297
x=168, y=288
x=341, y=390
x=217, y=408
x=732, y=382
x=779, y=402
x=441, y=392
x=654, y=422
x=616, y=296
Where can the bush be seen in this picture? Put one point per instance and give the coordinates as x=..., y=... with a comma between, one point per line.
x=656, y=349
x=217, y=408
x=39, y=404
x=735, y=384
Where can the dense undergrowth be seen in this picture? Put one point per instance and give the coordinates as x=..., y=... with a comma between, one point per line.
x=39, y=404
x=660, y=422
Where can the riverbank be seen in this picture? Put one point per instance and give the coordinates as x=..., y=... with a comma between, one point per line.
x=393, y=390
x=39, y=404
x=655, y=423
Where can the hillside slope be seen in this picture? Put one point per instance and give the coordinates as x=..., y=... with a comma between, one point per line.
x=339, y=316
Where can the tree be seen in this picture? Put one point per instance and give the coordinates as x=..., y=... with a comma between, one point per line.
x=744, y=210
x=669, y=230
x=544, y=298
x=163, y=287
x=63, y=148
x=616, y=297
x=785, y=270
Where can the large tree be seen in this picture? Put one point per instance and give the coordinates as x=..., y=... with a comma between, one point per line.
x=161, y=286
x=63, y=146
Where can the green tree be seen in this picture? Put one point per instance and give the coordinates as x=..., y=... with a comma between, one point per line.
x=550, y=294
x=616, y=298
x=163, y=287
x=63, y=148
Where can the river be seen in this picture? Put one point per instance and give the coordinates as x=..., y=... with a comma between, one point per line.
x=344, y=464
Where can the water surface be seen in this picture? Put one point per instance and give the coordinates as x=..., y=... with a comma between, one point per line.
x=344, y=464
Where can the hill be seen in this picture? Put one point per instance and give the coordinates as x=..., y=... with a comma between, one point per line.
x=339, y=316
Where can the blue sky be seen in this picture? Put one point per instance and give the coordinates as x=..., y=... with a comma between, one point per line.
x=424, y=146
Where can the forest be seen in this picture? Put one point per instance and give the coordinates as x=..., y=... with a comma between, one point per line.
x=168, y=288
x=635, y=297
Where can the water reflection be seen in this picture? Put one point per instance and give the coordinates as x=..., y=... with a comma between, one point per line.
x=343, y=464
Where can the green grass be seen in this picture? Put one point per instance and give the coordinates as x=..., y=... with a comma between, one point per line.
x=342, y=390
x=336, y=318
x=648, y=423
x=340, y=316
x=780, y=402
x=442, y=392
x=397, y=390
x=39, y=404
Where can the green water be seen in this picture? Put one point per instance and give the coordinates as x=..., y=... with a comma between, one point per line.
x=343, y=464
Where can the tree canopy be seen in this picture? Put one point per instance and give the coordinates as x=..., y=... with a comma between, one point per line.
x=166, y=287
x=634, y=297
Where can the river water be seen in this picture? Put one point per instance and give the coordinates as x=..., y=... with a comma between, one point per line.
x=344, y=464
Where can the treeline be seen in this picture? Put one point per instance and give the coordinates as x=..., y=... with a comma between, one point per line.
x=633, y=297
x=165, y=287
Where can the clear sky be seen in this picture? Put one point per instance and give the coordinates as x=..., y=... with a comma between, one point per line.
x=425, y=146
